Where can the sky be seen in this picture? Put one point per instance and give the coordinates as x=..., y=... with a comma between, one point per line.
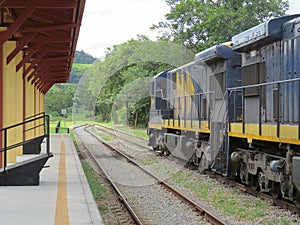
x=107, y=23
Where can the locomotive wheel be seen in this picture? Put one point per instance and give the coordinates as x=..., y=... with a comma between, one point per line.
x=244, y=175
x=155, y=148
x=254, y=182
x=261, y=180
x=276, y=192
x=202, y=163
x=297, y=197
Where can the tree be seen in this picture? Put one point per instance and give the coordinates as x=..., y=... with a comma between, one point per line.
x=60, y=96
x=199, y=24
x=83, y=58
x=78, y=71
x=124, y=64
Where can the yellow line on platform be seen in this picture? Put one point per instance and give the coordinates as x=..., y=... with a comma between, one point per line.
x=62, y=214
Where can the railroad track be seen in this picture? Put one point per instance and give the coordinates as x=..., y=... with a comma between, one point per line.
x=127, y=137
x=117, y=202
x=280, y=203
x=123, y=200
x=120, y=131
x=213, y=219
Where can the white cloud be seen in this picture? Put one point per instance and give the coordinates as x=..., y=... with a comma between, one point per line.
x=294, y=7
x=106, y=23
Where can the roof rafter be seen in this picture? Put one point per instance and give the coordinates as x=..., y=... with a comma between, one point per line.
x=47, y=28
x=46, y=33
x=27, y=57
x=39, y=4
x=15, y=26
x=20, y=46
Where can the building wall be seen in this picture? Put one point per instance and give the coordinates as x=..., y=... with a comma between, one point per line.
x=20, y=100
x=12, y=104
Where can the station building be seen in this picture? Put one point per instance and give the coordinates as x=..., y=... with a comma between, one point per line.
x=37, y=47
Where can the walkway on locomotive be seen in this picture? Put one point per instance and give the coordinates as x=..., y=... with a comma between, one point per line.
x=270, y=82
x=187, y=97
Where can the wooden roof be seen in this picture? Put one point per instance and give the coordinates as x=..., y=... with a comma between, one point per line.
x=46, y=32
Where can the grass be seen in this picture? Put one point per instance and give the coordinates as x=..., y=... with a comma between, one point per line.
x=63, y=124
x=105, y=137
x=82, y=66
x=149, y=161
x=140, y=132
x=137, y=131
x=96, y=186
x=102, y=136
x=227, y=200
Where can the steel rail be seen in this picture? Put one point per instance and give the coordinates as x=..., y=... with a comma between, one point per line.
x=278, y=202
x=114, y=130
x=120, y=131
x=114, y=186
x=213, y=219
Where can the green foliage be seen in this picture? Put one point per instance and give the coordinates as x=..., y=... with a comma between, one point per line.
x=60, y=96
x=78, y=71
x=139, y=112
x=112, y=87
x=199, y=24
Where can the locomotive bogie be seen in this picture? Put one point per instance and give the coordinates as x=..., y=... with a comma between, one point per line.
x=156, y=140
x=268, y=173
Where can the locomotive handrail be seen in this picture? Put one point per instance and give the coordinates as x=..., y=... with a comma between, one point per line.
x=183, y=96
x=171, y=101
x=242, y=89
x=262, y=84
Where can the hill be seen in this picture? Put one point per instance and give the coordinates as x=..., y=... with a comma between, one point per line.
x=82, y=61
x=60, y=96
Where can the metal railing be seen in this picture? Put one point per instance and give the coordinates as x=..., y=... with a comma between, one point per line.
x=283, y=89
x=176, y=108
x=38, y=124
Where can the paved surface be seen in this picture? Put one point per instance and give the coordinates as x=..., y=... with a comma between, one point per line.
x=62, y=198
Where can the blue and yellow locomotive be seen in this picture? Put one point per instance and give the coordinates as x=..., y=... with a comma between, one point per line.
x=235, y=109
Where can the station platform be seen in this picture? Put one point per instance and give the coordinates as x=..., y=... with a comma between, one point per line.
x=62, y=198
